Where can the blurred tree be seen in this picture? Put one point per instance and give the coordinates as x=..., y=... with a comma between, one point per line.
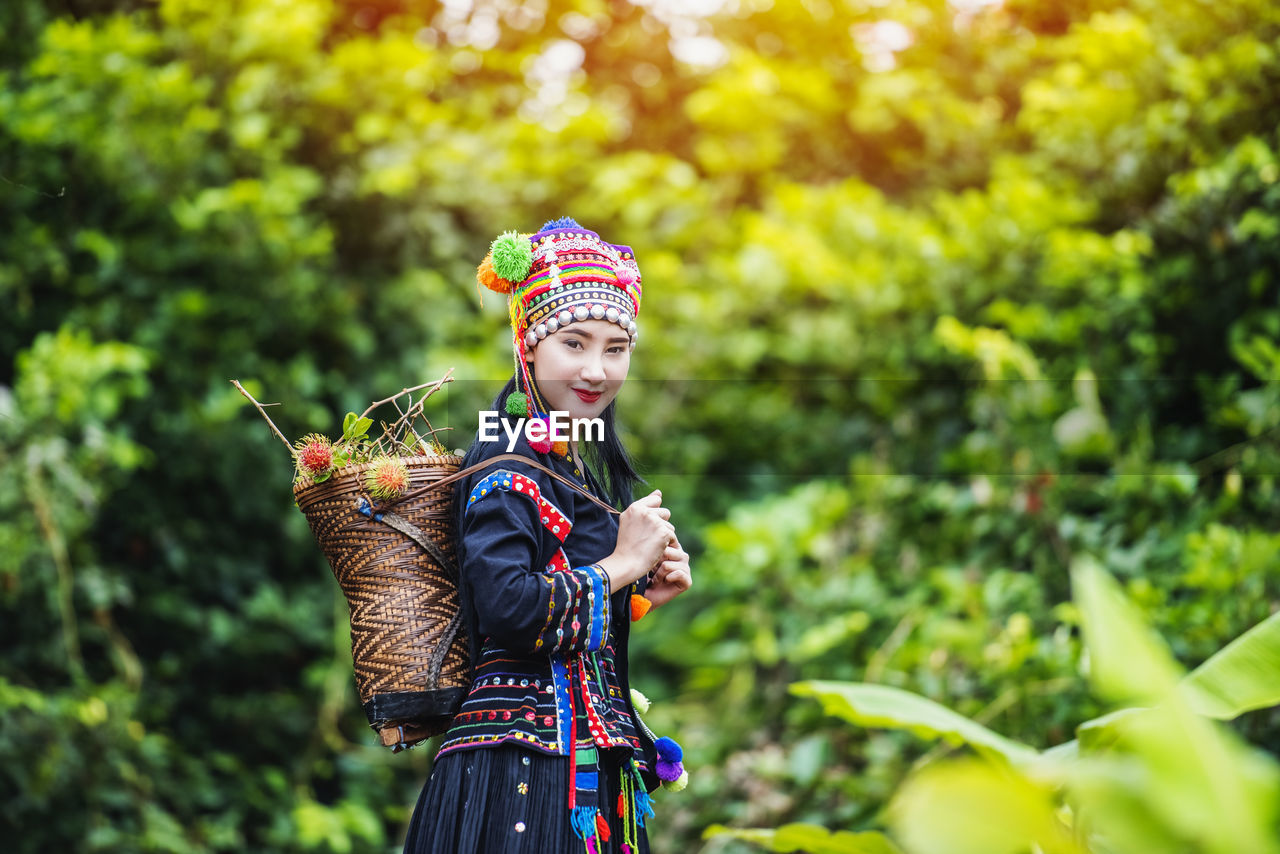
x=1010, y=265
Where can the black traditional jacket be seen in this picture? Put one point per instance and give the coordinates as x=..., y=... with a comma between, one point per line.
x=552, y=661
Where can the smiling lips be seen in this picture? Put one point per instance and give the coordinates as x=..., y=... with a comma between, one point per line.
x=587, y=396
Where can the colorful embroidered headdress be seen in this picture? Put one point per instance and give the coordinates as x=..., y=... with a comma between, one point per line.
x=561, y=274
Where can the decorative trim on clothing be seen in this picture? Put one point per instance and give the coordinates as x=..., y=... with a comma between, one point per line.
x=579, y=597
x=553, y=519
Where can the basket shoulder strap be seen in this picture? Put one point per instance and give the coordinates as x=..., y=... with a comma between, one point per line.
x=411, y=531
x=500, y=458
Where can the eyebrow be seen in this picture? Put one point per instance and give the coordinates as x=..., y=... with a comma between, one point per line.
x=618, y=339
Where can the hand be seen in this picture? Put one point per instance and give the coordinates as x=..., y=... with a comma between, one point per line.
x=644, y=532
x=671, y=578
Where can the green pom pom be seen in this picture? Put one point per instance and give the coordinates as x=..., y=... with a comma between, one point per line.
x=512, y=257
x=517, y=403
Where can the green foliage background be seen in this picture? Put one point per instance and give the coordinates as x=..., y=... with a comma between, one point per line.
x=921, y=326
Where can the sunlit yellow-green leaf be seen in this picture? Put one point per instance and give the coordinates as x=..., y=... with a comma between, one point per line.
x=1170, y=768
x=882, y=706
x=807, y=838
x=975, y=807
x=1127, y=661
x=1242, y=676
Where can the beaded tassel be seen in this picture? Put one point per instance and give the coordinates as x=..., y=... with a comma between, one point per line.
x=629, y=832
x=535, y=404
x=573, y=748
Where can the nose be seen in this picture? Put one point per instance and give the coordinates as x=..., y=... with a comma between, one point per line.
x=593, y=369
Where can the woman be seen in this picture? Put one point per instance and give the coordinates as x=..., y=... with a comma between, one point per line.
x=548, y=754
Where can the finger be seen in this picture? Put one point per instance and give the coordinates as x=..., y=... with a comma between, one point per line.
x=679, y=578
x=664, y=570
x=664, y=513
x=653, y=499
x=670, y=567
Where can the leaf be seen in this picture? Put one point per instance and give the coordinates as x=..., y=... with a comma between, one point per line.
x=1168, y=770
x=1127, y=660
x=1060, y=752
x=970, y=806
x=809, y=838
x=1242, y=676
x=882, y=706
x=355, y=427
x=1101, y=732
x=1196, y=777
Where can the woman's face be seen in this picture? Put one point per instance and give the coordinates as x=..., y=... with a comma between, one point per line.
x=580, y=368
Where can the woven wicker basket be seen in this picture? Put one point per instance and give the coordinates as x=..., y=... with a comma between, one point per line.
x=407, y=640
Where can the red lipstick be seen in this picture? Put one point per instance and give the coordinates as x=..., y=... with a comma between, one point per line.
x=587, y=396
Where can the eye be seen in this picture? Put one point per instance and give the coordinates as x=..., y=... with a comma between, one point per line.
x=572, y=343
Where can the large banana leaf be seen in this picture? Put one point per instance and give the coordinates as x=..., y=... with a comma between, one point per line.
x=1242, y=676
x=882, y=706
x=970, y=806
x=1196, y=777
x=808, y=838
x=1127, y=660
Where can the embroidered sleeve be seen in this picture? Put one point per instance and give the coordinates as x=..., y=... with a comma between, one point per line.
x=525, y=606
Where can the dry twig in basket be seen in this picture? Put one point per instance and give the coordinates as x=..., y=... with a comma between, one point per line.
x=316, y=458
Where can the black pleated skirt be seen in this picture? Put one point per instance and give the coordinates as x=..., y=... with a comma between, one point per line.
x=507, y=800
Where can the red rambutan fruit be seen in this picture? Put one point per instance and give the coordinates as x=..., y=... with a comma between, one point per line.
x=387, y=478
x=315, y=454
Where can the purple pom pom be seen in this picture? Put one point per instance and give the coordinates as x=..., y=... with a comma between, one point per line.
x=669, y=771
x=668, y=749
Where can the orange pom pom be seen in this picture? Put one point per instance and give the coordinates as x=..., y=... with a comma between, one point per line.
x=486, y=276
x=639, y=606
x=561, y=448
